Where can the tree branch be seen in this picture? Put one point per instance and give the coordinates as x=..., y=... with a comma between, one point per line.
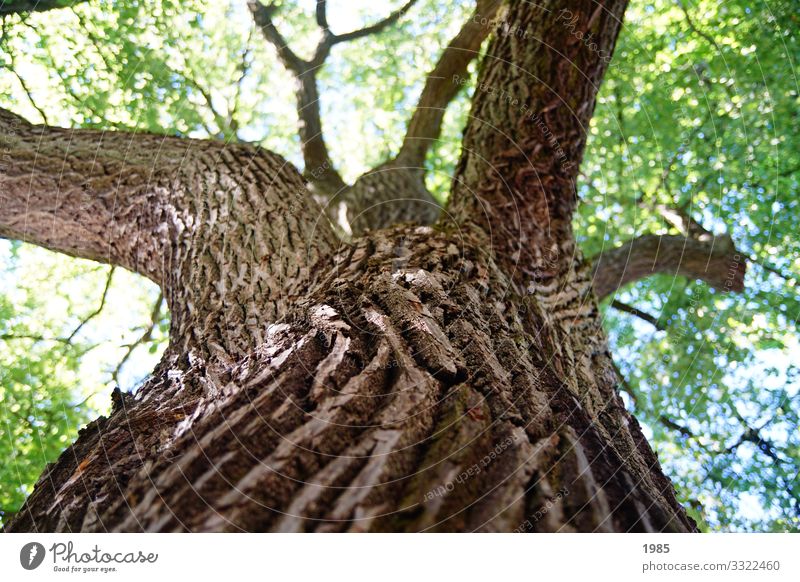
x=444, y=82
x=374, y=28
x=643, y=315
x=395, y=190
x=526, y=133
x=262, y=16
x=84, y=193
x=672, y=425
x=99, y=309
x=160, y=206
x=695, y=28
x=322, y=14
x=713, y=261
x=319, y=170
x=155, y=317
x=33, y=337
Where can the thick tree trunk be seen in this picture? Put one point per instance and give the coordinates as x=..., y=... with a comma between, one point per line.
x=411, y=389
x=417, y=379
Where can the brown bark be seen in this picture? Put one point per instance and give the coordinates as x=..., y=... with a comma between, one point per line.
x=229, y=232
x=414, y=380
x=713, y=260
x=395, y=191
x=527, y=132
x=407, y=367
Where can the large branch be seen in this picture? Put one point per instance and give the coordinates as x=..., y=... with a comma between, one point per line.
x=83, y=193
x=526, y=134
x=192, y=215
x=444, y=82
x=714, y=261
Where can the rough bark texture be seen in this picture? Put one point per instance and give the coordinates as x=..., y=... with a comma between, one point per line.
x=451, y=378
x=410, y=365
x=527, y=132
x=389, y=194
x=713, y=260
x=229, y=232
x=395, y=191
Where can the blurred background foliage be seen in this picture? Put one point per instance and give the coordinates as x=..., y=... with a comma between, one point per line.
x=699, y=112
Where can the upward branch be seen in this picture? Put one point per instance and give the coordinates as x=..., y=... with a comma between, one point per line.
x=444, y=82
x=262, y=16
x=322, y=14
x=395, y=190
x=374, y=28
x=527, y=130
x=319, y=169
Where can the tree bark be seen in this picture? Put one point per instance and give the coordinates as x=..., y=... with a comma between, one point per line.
x=395, y=191
x=408, y=391
x=416, y=379
x=713, y=260
x=227, y=231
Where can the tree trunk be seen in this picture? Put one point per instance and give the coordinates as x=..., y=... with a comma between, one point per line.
x=417, y=379
x=409, y=390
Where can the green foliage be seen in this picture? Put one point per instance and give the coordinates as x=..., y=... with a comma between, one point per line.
x=698, y=111
x=60, y=353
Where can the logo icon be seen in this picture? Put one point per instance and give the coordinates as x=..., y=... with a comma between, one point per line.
x=31, y=555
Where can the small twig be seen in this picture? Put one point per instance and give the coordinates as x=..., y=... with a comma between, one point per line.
x=23, y=84
x=672, y=425
x=33, y=337
x=695, y=28
x=99, y=309
x=623, y=382
x=155, y=316
x=220, y=119
x=643, y=315
x=244, y=69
